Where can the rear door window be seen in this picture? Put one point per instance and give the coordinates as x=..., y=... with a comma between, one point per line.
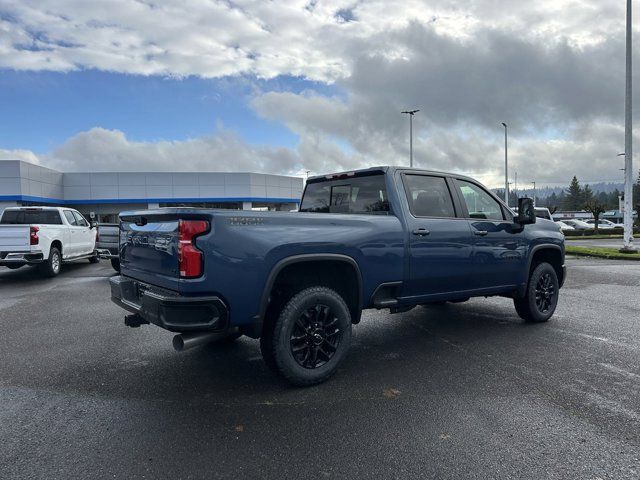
x=71, y=218
x=367, y=194
x=80, y=220
x=429, y=196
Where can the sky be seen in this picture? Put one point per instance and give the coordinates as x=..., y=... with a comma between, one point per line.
x=290, y=86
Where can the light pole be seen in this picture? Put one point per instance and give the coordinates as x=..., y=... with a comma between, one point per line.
x=506, y=171
x=411, y=113
x=628, y=145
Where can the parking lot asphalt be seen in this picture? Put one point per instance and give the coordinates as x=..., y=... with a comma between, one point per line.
x=459, y=391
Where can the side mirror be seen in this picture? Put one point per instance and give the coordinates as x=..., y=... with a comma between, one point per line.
x=526, y=212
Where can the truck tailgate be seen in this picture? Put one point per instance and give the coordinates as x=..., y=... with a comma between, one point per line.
x=149, y=246
x=15, y=238
x=109, y=234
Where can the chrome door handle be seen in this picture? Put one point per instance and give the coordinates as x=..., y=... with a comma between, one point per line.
x=421, y=232
x=482, y=233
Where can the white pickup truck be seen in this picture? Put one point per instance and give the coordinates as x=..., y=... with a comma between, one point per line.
x=46, y=237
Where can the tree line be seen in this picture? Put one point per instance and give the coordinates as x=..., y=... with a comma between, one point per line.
x=578, y=198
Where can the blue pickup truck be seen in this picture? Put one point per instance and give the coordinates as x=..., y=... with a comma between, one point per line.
x=384, y=238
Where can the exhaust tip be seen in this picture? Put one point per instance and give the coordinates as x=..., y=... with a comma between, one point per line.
x=178, y=343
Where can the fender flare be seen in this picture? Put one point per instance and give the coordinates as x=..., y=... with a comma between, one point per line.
x=310, y=257
x=542, y=246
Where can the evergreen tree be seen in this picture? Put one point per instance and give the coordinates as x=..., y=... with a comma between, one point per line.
x=574, y=198
x=587, y=194
x=603, y=198
x=614, y=199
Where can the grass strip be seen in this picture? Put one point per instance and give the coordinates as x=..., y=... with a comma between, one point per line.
x=592, y=237
x=601, y=252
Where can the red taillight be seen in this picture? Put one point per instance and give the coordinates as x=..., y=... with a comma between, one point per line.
x=189, y=257
x=33, y=235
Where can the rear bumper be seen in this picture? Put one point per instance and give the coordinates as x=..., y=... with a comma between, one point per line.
x=169, y=310
x=21, y=258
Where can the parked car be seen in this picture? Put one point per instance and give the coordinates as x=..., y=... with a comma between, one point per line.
x=543, y=212
x=603, y=224
x=577, y=224
x=46, y=237
x=384, y=237
x=107, y=242
x=564, y=226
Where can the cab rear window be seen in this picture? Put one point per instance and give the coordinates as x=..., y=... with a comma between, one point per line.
x=28, y=217
x=366, y=194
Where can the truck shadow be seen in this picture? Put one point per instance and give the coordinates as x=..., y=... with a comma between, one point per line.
x=427, y=346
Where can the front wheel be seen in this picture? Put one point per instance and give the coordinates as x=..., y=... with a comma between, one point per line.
x=310, y=338
x=541, y=298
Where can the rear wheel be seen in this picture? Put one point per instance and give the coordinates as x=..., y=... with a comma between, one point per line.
x=51, y=267
x=541, y=298
x=310, y=337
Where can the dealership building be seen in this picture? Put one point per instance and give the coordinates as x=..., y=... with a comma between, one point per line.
x=108, y=193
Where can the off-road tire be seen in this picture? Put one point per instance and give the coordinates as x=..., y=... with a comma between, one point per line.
x=541, y=297
x=317, y=308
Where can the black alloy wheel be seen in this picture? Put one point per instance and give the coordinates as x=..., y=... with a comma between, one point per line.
x=545, y=293
x=315, y=337
x=308, y=336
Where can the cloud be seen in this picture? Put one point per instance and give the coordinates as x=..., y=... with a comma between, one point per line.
x=315, y=40
x=99, y=149
x=19, y=154
x=552, y=69
x=471, y=152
